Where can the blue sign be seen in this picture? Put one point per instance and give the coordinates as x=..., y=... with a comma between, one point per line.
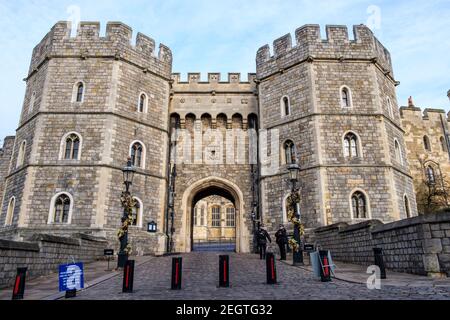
x=71, y=276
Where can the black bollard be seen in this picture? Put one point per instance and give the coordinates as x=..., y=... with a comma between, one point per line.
x=128, y=276
x=19, y=284
x=325, y=270
x=71, y=294
x=271, y=269
x=224, y=271
x=177, y=267
x=379, y=261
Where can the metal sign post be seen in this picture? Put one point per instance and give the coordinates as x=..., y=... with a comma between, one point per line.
x=71, y=278
x=109, y=253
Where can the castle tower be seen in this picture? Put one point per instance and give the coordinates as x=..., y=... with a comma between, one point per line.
x=330, y=105
x=90, y=102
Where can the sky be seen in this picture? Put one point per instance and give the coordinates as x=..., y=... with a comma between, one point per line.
x=223, y=36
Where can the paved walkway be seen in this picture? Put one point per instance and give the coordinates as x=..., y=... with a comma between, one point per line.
x=47, y=287
x=247, y=279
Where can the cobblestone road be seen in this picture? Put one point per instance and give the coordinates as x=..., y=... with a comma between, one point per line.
x=247, y=279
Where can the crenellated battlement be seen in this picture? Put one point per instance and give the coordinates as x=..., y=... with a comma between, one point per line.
x=427, y=114
x=310, y=45
x=116, y=43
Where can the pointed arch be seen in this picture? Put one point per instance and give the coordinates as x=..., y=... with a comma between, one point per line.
x=61, y=208
x=10, y=211
x=345, y=95
x=359, y=204
x=138, y=153
x=71, y=146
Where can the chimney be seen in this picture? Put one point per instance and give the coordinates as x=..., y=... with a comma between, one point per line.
x=410, y=102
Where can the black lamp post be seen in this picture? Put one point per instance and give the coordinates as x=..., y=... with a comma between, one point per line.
x=128, y=174
x=294, y=170
x=253, y=216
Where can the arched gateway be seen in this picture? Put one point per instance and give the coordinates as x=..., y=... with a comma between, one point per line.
x=204, y=188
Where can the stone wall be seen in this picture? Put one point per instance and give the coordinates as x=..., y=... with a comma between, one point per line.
x=419, y=245
x=43, y=253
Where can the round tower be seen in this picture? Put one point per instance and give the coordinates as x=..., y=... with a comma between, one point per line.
x=91, y=101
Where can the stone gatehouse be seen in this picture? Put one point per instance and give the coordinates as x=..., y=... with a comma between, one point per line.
x=93, y=100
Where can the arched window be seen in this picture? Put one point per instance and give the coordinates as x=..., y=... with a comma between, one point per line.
x=137, y=154
x=21, y=155
x=32, y=100
x=351, y=149
x=285, y=106
x=389, y=107
x=290, y=152
x=72, y=147
x=443, y=144
x=61, y=209
x=137, y=213
x=230, y=217
x=215, y=216
x=10, y=211
x=431, y=176
x=359, y=205
x=398, y=152
x=346, y=98
x=407, y=208
x=426, y=143
x=142, y=104
x=80, y=92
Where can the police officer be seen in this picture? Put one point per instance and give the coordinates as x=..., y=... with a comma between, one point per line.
x=262, y=237
x=282, y=240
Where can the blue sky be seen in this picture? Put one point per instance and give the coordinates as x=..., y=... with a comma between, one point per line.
x=223, y=36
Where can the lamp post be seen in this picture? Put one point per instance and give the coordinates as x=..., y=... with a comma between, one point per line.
x=127, y=203
x=255, y=244
x=297, y=255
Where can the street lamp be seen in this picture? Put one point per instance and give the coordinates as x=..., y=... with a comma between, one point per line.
x=297, y=255
x=128, y=204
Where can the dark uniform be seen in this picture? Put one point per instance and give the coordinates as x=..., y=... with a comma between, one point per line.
x=262, y=236
x=282, y=240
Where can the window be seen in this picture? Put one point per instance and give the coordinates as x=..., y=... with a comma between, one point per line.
x=215, y=221
x=389, y=107
x=202, y=216
x=431, y=176
x=230, y=217
x=346, y=98
x=359, y=205
x=285, y=106
x=290, y=152
x=32, y=100
x=80, y=92
x=137, y=213
x=426, y=143
x=407, y=210
x=137, y=154
x=351, y=145
x=10, y=211
x=21, y=155
x=72, y=147
x=142, y=104
x=443, y=144
x=61, y=209
x=195, y=217
x=398, y=152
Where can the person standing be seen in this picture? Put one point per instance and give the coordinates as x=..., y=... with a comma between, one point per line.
x=262, y=237
x=282, y=240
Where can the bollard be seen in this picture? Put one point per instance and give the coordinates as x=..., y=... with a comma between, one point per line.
x=325, y=270
x=224, y=271
x=71, y=294
x=19, y=284
x=177, y=266
x=379, y=261
x=271, y=269
x=128, y=276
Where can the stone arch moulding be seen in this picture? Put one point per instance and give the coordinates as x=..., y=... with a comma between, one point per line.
x=242, y=234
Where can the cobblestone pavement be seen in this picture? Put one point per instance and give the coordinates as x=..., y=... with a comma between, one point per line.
x=247, y=279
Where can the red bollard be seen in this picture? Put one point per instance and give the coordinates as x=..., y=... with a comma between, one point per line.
x=325, y=269
x=19, y=284
x=177, y=266
x=224, y=271
x=128, y=276
x=271, y=269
